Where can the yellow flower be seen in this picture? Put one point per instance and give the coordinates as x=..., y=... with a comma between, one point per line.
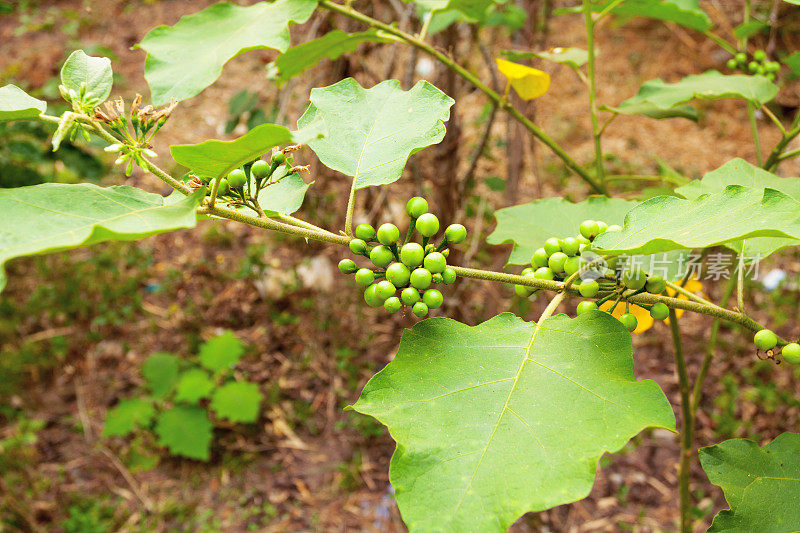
x=528, y=82
x=645, y=321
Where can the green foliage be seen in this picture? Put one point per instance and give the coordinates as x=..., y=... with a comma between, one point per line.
x=572, y=57
x=667, y=223
x=749, y=29
x=710, y=85
x=237, y=401
x=527, y=226
x=479, y=446
x=686, y=13
x=214, y=158
x=180, y=65
x=127, y=416
x=161, y=372
x=285, y=196
x=87, y=80
x=761, y=485
x=16, y=104
x=178, y=415
x=185, y=430
x=193, y=385
x=50, y=217
x=221, y=352
x=332, y=45
x=649, y=109
x=383, y=125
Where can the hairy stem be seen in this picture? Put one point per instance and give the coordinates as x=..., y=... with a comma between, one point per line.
x=598, y=150
x=351, y=206
x=687, y=433
x=754, y=128
x=471, y=78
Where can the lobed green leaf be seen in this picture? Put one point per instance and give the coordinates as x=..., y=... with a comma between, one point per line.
x=186, y=431
x=160, y=371
x=372, y=132
x=193, y=385
x=687, y=13
x=761, y=485
x=506, y=417
x=222, y=352
x=127, y=415
x=55, y=216
x=16, y=104
x=184, y=59
x=237, y=401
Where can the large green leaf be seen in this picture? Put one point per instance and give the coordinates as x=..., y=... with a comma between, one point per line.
x=740, y=172
x=473, y=9
x=527, y=226
x=16, y=104
x=710, y=85
x=54, y=216
x=372, y=132
x=506, y=417
x=92, y=72
x=214, y=158
x=649, y=109
x=186, y=431
x=302, y=57
x=284, y=196
x=184, y=59
x=574, y=58
x=761, y=485
x=668, y=223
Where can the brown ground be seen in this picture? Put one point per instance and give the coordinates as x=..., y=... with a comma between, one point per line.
x=308, y=464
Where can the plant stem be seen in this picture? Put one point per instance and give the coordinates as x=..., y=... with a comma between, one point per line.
x=776, y=120
x=754, y=128
x=774, y=157
x=163, y=176
x=351, y=205
x=471, y=78
x=598, y=150
x=688, y=294
x=722, y=43
x=740, y=284
x=697, y=390
x=687, y=435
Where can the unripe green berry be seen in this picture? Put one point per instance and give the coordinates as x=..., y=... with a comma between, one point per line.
x=392, y=304
x=655, y=285
x=398, y=274
x=432, y=298
x=544, y=273
x=371, y=296
x=589, y=288
x=455, y=233
x=601, y=227
x=385, y=289
x=421, y=279
x=416, y=207
x=365, y=232
x=556, y=262
x=629, y=321
x=765, y=340
x=223, y=188
x=582, y=240
x=364, y=277
x=659, y=311
x=523, y=291
x=586, y=306
x=572, y=265
x=278, y=158
x=388, y=234
x=437, y=278
x=590, y=229
x=358, y=246
x=435, y=262
x=236, y=178
x=449, y=276
x=551, y=246
x=412, y=254
x=381, y=256
x=752, y=66
x=634, y=279
x=570, y=246
x=539, y=258
x=347, y=266
x=410, y=296
x=427, y=224
x=759, y=55
x=741, y=58
x=791, y=353
x=731, y=64
x=614, y=227
x=260, y=169
x=420, y=309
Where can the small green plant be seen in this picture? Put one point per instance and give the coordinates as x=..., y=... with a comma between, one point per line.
x=181, y=395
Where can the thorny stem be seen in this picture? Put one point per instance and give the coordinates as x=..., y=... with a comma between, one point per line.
x=471, y=78
x=596, y=132
x=687, y=437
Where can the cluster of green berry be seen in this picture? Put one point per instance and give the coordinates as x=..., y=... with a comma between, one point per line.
x=758, y=65
x=408, y=267
x=766, y=340
x=559, y=259
x=242, y=185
